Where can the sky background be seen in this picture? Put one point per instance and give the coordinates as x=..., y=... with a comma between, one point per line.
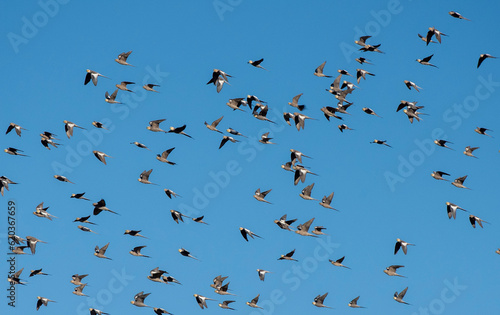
x=382, y=193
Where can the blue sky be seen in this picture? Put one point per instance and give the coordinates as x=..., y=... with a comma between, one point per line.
x=382, y=193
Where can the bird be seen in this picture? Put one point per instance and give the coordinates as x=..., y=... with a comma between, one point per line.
x=254, y=301
x=370, y=111
x=442, y=143
x=225, y=305
x=123, y=86
x=42, y=301
x=338, y=262
x=288, y=256
x=439, y=175
x=111, y=99
x=451, y=209
x=381, y=142
x=470, y=150
x=101, y=206
x=265, y=139
x=360, y=73
x=14, y=151
x=144, y=177
x=296, y=155
x=93, y=75
x=223, y=290
x=261, y=195
x=226, y=139
x=155, y=274
x=318, y=230
x=235, y=103
x=459, y=182
x=154, y=126
x=85, y=229
x=482, y=131
x=15, y=278
x=134, y=233
x=319, y=71
x=354, y=303
x=473, y=219
x=100, y=252
x=213, y=126
x=300, y=174
x=391, y=271
x=46, y=141
x=185, y=253
x=262, y=115
x=79, y=196
x=295, y=102
x=76, y=279
x=217, y=282
x=170, y=193
x=179, y=130
x=426, y=62
x=246, y=232
x=457, y=15
x=329, y=111
x=140, y=145
x=159, y=311
x=17, y=128
x=434, y=32
x=303, y=229
x=219, y=77
x=202, y=300
x=62, y=179
x=150, y=87
x=199, y=220
x=17, y=239
x=169, y=279
x=325, y=202
x=176, y=215
x=4, y=183
x=235, y=133
x=139, y=299
x=262, y=274
x=164, y=156
x=398, y=297
x=401, y=244
x=31, y=242
x=136, y=251
x=68, y=128
x=424, y=38
x=362, y=60
x=306, y=192
x=79, y=290
x=343, y=127
x=94, y=311
x=257, y=63
x=283, y=223
x=300, y=119
x=101, y=156
x=122, y=58
x=482, y=57
x=287, y=117
x=319, y=300
x=410, y=85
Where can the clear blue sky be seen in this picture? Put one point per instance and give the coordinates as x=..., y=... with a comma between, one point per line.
x=382, y=193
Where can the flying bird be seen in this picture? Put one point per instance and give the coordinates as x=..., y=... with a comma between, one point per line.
x=139, y=299
x=154, y=126
x=410, y=85
x=360, y=73
x=381, y=142
x=295, y=102
x=398, y=297
x=185, y=253
x=459, y=182
x=473, y=219
x=123, y=86
x=262, y=274
x=457, y=15
x=14, y=151
x=391, y=271
x=136, y=251
x=101, y=156
x=426, y=62
x=338, y=262
x=164, y=156
x=111, y=99
x=482, y=131
x=179, y=130
x=176, y=215
x=101, y=252
x=62, y=179
x=288, y=256
x=370, y=111
x=354, y=303
x=482, y=57
x=325, y=202
x=434, y=32
x=306, y=192
x=150, y=87
x=254, y=301
x=202, y=300
x=257, y=63
x=470, y=150
x=42, y=301
x=17, y=128
x=303, y=229
x=319, y=300
x=451, y=209
x=68, y=128
x=401, y=244
x=92, y=75
x=246, y=232
x=261, y=195
x=319, y=71
x=442, y=143
x=226, y=139
x=225, y=305
x=144, y=177
x=439, y=175
x=122, y=58
x=213, y=125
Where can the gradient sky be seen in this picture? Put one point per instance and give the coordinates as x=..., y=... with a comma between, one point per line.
x=382, y=193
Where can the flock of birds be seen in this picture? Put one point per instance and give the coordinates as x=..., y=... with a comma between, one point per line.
x=339, y=89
